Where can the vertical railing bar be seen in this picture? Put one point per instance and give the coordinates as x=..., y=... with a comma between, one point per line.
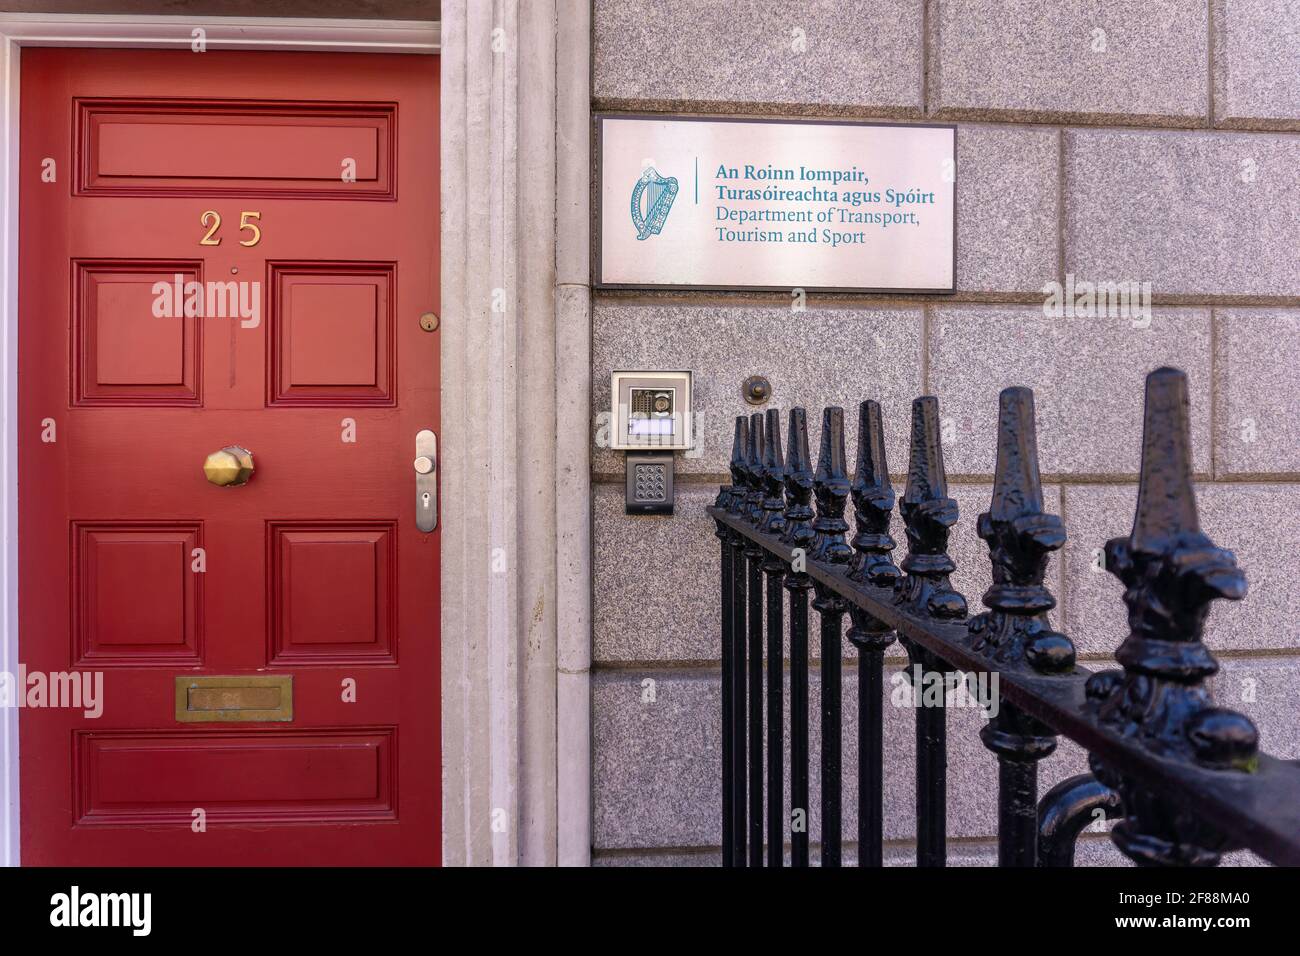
x=773, y=522
x=931, y=777
x=1171, y=571
x=832, y=779
x=738, y=711
x=873, y=504
x=726, y=499
x=1017, y=811
x=832, y=486
x=798, y=585
x=798, y=534
x=756, y=738
x=775, y=716
x=871, y=757
x=738, y=506
x=727, y=727
x=754, y=555
x=1015, y=630
x=928, y=514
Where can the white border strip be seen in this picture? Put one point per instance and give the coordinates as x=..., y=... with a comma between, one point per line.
x=86, y=30
x=222, y=33
x=9, y=450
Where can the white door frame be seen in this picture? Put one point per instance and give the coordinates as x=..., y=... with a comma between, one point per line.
x=516, y=333
x=77, y=30
x=517, y=428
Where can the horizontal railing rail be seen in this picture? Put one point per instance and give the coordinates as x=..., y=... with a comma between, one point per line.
x=1183, y=777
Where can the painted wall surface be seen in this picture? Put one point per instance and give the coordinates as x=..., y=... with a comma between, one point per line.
x=1149, y=141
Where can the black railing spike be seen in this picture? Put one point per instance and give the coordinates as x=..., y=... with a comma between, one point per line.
x=736, y=715
x=753, y=554
x=737, y=684
x=774, y=569
x=739, y=486
x=798, y=535
x=1017, y=483
x=773, y=521
x=1015, y=629
x=831, y=485
x=727, y=492
x=1171, y=572
x=1021, y=538
x=928, y=514
x=798, y=484
x=754, y=468
x=757, y=741
x=1166, y=506
x=926, y=478
x=726, y=500
x=873, y=503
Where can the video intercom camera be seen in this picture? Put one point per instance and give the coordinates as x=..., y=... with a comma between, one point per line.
x=651, y=419
x=651, y=410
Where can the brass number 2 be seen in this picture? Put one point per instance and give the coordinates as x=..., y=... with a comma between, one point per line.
x=247, y=220
x=211, y=219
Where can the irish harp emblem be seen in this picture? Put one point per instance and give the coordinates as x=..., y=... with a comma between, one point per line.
x=651, y=200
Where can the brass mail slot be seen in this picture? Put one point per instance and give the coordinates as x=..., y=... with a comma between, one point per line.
x=240, y=699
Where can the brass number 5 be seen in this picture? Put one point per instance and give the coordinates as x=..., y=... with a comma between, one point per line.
x=245, y=222
x=211, y=219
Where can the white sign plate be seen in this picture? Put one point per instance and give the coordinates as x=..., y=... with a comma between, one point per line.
x=775, y=204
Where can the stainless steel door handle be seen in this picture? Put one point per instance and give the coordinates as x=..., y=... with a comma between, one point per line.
x=426, y=480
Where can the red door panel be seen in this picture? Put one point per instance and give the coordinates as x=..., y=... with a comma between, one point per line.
x=235, y=251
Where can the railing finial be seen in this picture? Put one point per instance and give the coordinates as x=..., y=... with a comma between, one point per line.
x=739, y=486
x=726, y=493
x=928, y=514
x=754, y=468
x=831, y=484
x=1171, y=572
x=1017, y=485
x=1020, y=537
x=1015, y=629
x=1166, y=499
x=773, y=477
x=873, y=503
x=1171, y=569
x=798, y=483
x=926, y=478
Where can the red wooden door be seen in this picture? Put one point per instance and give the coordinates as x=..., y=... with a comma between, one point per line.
x=304, y=346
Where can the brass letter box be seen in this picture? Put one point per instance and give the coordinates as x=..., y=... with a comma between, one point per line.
x=240, y=699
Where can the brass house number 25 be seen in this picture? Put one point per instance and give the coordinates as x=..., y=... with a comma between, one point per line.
x=211, y=220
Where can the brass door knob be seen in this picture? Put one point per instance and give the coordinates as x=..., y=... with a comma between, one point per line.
x=230, y=466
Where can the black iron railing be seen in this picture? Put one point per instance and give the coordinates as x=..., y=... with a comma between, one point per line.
x=1183, y=777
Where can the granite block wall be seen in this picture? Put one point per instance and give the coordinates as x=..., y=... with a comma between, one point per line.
x=1109, y=140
